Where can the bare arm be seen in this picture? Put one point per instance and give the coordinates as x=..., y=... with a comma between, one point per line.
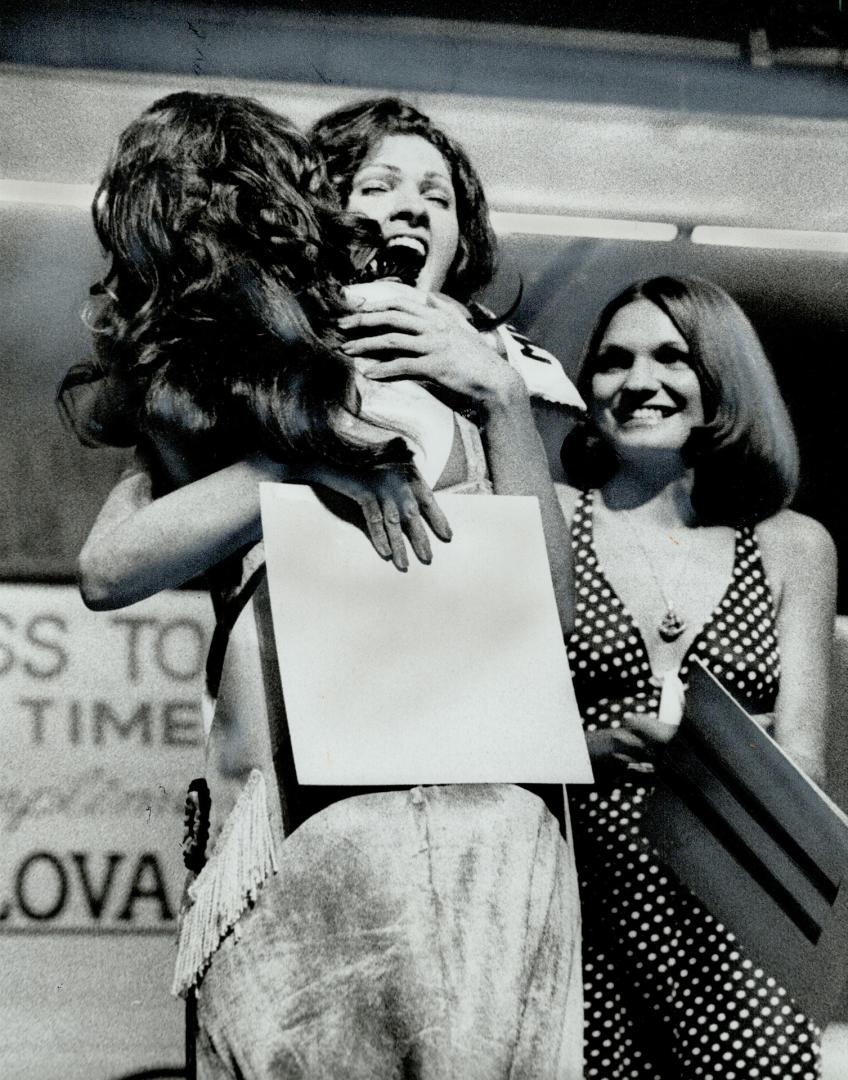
x=140, y=545
x=519, y=466
x=437, y=345
x=800, y=559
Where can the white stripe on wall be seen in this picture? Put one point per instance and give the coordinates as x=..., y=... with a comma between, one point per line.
x=788, y=239
x=599, y=228
x=48, y=193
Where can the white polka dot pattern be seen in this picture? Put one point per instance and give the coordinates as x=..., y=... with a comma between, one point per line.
x=669, y=992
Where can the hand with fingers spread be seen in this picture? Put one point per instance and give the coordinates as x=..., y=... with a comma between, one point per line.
x=396, y=503
x=408, y=334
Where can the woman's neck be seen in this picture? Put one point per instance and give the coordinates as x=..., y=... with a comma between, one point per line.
x=660, y=496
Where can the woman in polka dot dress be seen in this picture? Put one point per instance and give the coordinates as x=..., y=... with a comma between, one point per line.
x=682, y=548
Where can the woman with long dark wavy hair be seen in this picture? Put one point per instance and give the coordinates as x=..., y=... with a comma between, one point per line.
x=431, y=932
x=684, y=550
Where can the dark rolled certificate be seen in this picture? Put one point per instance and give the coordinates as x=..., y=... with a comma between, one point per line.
x=760, y=844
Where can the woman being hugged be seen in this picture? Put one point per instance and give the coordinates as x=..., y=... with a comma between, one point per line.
x=683, y=549
x=434, y=932
x=391, y=163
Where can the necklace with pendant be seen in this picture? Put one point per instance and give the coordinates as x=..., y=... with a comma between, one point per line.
x=671, y=625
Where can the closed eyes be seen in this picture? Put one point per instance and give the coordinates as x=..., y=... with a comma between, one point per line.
x=437, y=195
x=373, y=187
x=380, y=185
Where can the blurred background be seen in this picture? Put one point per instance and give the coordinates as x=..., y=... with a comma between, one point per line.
x=616, y=140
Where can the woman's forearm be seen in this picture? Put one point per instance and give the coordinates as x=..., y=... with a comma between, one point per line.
x=140, y=545
x=519, y=466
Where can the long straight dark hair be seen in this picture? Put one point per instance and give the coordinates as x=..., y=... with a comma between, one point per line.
x=216, y=318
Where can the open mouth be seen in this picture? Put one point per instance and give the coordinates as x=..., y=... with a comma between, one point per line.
x=414, y=243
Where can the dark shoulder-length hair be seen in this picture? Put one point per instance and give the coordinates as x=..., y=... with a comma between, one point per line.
x=745, y=456
x=346, y=136
x=228, y=251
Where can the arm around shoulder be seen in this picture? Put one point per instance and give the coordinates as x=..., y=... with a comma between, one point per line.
x=139, y=545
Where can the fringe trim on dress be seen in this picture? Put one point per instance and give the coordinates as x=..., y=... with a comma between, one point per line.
x=242, y=859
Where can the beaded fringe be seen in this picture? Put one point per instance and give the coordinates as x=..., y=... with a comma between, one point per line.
x=242, y=859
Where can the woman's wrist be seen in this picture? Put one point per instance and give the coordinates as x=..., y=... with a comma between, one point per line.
x=504, y=392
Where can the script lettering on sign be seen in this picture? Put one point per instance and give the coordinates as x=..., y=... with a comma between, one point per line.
x=102, y=731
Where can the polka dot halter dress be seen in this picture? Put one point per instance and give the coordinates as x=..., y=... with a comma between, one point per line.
x=669, y=992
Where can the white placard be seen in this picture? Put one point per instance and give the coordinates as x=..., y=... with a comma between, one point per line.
x=451, y=673
x=101, y=731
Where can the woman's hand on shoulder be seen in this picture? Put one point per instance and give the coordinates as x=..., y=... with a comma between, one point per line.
x=395, y=502
x=140, y=545
x=407, y=334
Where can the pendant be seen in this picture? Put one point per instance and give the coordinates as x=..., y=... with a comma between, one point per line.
x=671, y=626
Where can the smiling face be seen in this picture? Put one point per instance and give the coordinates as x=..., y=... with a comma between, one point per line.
x=645, y=394
x=405, y=185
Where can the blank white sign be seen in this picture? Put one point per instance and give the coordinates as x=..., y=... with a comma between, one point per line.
x=451, y=673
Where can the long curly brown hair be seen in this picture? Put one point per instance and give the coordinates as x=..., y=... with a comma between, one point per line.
x=228, y=252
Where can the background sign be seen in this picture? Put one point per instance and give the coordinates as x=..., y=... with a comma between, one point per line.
x=101, y=733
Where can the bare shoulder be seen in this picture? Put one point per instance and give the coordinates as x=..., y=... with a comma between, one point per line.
x=568, y=497
x=797, y=549
x=790, y=536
